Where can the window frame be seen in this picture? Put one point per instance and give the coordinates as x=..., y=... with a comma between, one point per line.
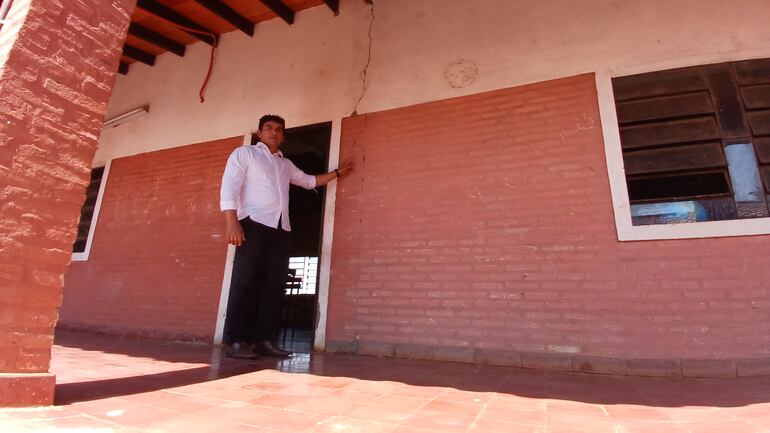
x=621, y=205
x=83, y=256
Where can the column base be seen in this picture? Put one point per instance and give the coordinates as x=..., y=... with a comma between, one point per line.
x=26, y=389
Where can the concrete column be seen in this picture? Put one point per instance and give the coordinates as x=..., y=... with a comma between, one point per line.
x=58, y=60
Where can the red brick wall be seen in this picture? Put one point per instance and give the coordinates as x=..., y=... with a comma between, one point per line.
x=56, y=76
x=158, y=255
x=485, y=222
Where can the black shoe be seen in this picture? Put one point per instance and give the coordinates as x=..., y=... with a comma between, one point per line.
x=269, y=349
x=240, y=351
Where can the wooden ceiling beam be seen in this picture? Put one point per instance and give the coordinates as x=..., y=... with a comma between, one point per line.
x=168, y=14
x=156, y=39
x=334, y=5
x=228, y=14
x=123, y=68
x=279, y=8
x=138, y=55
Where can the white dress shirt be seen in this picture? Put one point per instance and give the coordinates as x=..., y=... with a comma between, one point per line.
x=256, y=184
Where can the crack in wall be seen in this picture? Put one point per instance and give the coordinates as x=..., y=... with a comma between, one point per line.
x=368, y=60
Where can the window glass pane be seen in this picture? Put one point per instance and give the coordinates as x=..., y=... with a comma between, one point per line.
x=706, y=209
x=747, y=184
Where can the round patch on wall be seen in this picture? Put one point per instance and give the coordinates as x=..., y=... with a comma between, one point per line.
x=461, y=73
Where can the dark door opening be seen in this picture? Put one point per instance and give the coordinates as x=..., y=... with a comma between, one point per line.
x=308, y=148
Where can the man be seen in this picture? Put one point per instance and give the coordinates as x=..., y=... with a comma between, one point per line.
x=255, y=203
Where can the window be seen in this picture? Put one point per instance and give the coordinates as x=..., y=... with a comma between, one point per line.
x=5, y=7
x=306, y=272
x=695, y=142
x=89, y=213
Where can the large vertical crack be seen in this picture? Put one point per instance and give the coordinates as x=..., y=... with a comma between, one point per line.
x=364, y=73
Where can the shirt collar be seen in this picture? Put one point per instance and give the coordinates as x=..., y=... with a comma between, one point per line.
x=264, y=146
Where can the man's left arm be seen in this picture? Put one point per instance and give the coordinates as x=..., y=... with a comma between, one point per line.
x=323, y=179
x=307, y=181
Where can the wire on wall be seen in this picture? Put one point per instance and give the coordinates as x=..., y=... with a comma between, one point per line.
x=215, y=39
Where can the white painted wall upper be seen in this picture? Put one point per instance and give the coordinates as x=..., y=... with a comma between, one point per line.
x=421, y=50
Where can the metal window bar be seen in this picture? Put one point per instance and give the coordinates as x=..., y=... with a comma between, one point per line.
x=306, y=269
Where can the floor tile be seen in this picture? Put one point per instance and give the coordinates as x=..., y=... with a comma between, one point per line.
x=292, y=421
x=529, y=417
x=497, y=426
x=341, y=424
x=445, y=422
x=122, y=385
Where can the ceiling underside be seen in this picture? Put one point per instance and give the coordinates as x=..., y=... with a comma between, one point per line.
x=158, y=26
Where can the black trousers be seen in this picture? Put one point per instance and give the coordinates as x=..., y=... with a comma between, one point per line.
x=258, y=282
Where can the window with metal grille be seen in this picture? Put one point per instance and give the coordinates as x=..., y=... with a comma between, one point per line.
x=305, y=273
x=696, y=142
x=87, y=211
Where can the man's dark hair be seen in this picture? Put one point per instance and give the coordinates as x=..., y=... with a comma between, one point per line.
x=271, y=118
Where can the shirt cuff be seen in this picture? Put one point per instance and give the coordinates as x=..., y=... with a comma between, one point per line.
x=227, y=205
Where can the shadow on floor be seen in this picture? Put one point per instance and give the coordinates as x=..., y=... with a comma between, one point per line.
x=298, y=341
x=121, y=366
x=581, y=387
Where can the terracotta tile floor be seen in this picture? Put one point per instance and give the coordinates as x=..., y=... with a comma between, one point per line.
x=108, y=384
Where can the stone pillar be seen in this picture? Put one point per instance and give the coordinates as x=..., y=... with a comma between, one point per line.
x=58, y=60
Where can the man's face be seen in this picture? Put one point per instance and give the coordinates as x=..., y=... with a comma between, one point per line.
x=271, y=134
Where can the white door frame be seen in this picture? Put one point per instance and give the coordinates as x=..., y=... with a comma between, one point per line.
x=324, y=270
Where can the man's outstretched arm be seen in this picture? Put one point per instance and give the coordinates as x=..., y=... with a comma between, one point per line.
x=323, y=179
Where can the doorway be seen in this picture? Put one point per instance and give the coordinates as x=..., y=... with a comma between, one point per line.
x=308, y=148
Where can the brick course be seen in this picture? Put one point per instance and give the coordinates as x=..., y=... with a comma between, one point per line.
x=486, y=222
x=156, y=263
x=56, y=76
